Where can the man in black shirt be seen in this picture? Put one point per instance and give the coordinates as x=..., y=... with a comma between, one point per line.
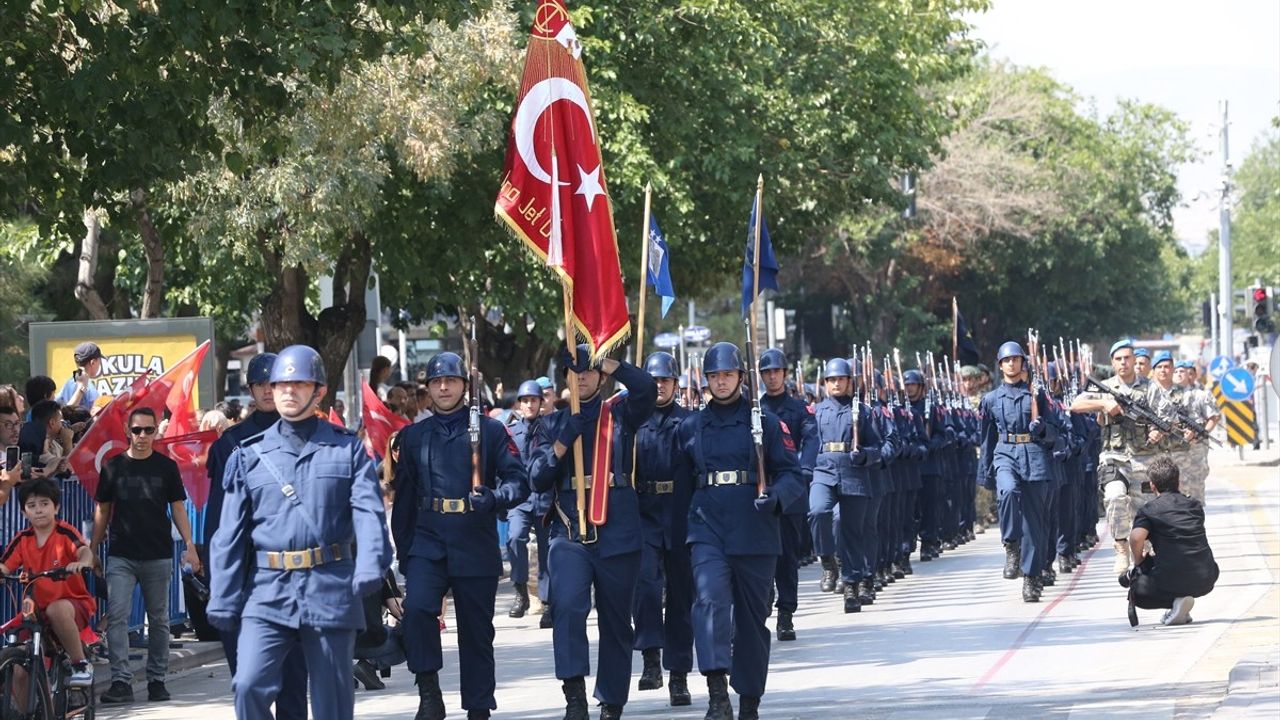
x=138, y=491
x=1183, y=567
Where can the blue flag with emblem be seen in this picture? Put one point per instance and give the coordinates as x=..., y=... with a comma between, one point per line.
x=768, y=264
x=659, y=270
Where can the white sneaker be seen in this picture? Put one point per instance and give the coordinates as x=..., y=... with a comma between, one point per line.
x=81, y=676
x=1164, y=619
x=1180, y=613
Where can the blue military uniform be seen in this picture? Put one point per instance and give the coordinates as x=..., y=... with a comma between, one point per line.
x=664, y=557
x=608, y=559
x=529, y=435
x=734, y=536
x=931, y=500
x=794, y=413
x=447, y=540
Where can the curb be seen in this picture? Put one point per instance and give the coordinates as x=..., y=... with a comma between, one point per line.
x=183, y=656
x=1253, y=688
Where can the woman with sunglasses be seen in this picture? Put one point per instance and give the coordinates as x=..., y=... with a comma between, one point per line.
x=137, y=492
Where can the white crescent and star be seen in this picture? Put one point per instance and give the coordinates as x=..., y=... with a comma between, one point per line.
x=535, y=103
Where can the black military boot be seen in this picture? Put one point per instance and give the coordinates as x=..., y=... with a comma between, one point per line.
x=749, y=707
x=478, y=714
x=575, y=699
x=520, y=603
x=897, y=572
x=1048, y=577
x=678, y=689
x=786, y=630
x=828, y=582
x=1029, y=591
x=651, y=676
x=1012, y=561
x=851, y=602
x=430, y=704
x=773, y=597
x=610, y=712
x=718, y=705
x=1064, y=564
x=1039, y=585
x=866, y=593
x=905, y=564
x=546, y=622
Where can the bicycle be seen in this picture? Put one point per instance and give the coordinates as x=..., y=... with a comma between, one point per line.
x=30, y=644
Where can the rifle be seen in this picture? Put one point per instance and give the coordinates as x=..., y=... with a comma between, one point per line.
x=1185, y=419
x=1136, y=409
x=1033, y=373
x=473, y=423
x=757, y=417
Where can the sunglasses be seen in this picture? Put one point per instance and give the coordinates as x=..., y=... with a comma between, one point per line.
x=139, y=430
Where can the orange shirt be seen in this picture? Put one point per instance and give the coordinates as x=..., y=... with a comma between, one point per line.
x=59, y=550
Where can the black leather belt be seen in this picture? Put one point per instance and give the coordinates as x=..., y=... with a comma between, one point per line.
x=614, y=481
x=303, y=559
x=836, y=447
x=1017, y=438
x=727, y=477
x=447, y=506
x=656, y=487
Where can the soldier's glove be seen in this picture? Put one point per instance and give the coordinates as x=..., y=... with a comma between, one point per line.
x=767, y=503
x=569, y=362
x=859, y=457
x=573, y=427
x=1036, y=428
x=918, y=452
x=366, y=583
x=225, y=623
x=483, y=500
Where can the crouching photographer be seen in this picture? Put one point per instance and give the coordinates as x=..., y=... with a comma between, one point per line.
x=1181, y=567
x=380, y=646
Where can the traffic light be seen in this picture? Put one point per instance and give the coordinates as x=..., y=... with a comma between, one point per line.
x=1260, y=310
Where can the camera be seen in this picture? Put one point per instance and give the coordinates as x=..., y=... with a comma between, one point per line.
x=11, y=457
x=27, y=459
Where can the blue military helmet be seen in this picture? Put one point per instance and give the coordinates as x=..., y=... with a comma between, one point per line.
x=772, y=359
x=529, y=388
x=914, y=377
x=298, y=363
x=447, y=364
x=722, y=357
x=259, y=370
x=1162, y=356
x=661, y=365
x=1010, y=349
x=837, y=367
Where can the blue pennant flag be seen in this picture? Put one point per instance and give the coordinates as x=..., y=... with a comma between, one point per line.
x=659, y=270
x=768, y=264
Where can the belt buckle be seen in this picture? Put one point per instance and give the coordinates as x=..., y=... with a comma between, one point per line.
x=724, y=477
x=297, y=560
x=453, y=505
x=663, y=487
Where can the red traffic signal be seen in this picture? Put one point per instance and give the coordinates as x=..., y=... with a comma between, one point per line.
x=1259, y=295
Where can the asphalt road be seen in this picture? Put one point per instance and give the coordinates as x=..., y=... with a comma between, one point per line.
x=952, y=641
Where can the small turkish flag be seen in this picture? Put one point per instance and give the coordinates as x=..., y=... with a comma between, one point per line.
x=553, y=195
x=379, y=421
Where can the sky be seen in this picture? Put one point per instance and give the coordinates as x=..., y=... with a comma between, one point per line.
x=1185, y=55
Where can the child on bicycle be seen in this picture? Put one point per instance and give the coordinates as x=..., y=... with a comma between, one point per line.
x=51, y=543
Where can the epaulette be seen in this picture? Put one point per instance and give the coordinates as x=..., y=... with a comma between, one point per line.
x=251, y=439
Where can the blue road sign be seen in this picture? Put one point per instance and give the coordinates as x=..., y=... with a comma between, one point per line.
x=667, y=340
x=1219, y=366
x=1237, y=384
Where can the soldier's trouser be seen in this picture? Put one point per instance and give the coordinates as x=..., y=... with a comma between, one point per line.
x=1023, y=509
x=1193, y=471
x=930, y=501
x=670, y=569
x=519, y=524
x=822, y=502
x=729, y=615
x=909, y=525
x=426, y=582
x=786, y=577
x=825, y=501
x=291, y=703
x=1051, y=523
x=262, y=652
x=871, y=536
x=983, y=500
x=1088, y=495
x=887, y=532
x=1068, y=509
x=1122, y=495
x=577, y=569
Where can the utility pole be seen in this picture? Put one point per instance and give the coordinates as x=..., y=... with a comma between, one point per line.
x=1225, y=294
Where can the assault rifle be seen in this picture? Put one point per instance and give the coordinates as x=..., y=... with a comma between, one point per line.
x=473, y=422
x=1185, y=420
x=1136, y=409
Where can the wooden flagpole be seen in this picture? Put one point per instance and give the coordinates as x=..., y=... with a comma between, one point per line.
x=644, y=291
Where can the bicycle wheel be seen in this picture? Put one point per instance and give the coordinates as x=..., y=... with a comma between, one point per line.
x=10, y=657
x=43, y=708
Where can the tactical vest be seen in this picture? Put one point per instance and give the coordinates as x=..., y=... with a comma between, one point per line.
x=1121, y=434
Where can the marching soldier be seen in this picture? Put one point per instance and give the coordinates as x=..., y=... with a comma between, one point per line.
x=1142, y=363
x=664, y=556
x=734, y=532
x=906, y=469
x=1193, y=462
x=1127, y=445
x=607, y=559
x=931, y=499
x=793, y=412
x=444, y=520
x=300, y=497
x=528, y=434
x=1016, y=452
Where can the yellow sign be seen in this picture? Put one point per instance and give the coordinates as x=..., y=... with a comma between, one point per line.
x=1239, y=418
x=123, y=359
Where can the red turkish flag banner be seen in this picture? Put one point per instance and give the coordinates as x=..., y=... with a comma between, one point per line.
x=191, y=452
x=336, y=419
x=106, y=438
x=553, y=195
x=379, y=421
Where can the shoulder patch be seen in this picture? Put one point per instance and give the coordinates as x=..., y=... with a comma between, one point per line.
x=787, y=441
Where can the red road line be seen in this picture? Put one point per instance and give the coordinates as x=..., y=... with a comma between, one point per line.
x=1026, y=632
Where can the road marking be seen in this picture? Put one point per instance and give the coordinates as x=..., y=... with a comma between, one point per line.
x=1030, y=628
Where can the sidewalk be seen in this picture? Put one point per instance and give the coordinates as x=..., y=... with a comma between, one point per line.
x=185, y=654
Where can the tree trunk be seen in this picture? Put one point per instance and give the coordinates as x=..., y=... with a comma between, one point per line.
x=153, y=250
x=86, y=291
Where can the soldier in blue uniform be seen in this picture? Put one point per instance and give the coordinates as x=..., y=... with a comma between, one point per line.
x=300, y=497
x=292, y=702
x=842, y=476
x=794, y=527
x=1017, y=453
x=445, y=528
x=528, y=432
x=906, y=471
x=734, y=536
x=608, y=558
x=875, y=550
x=931, y=500
x=664, y=556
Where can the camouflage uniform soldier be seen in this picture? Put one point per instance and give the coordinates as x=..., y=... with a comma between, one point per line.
x=1193, y=464
x=1127, y=446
